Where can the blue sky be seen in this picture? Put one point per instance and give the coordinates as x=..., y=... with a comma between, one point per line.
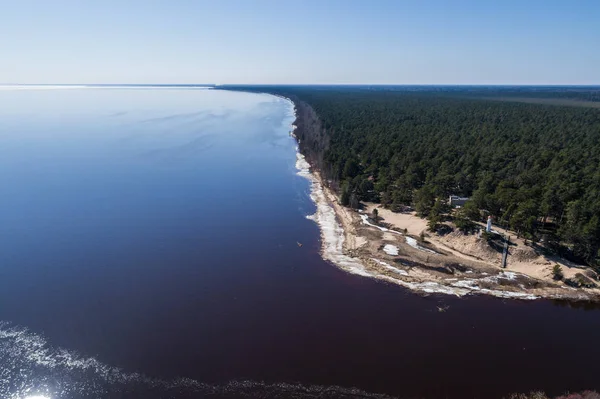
x=300, y=41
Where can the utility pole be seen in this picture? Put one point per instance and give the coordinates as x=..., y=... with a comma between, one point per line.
x=505, y=253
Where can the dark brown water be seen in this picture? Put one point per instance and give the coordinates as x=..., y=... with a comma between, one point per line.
x=148, y=249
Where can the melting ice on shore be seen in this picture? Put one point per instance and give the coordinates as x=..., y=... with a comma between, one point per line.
x=390, y=249
x=390, y=267
x=332, y=236
x=413, y=243
x=332, y=233
x=365, y=220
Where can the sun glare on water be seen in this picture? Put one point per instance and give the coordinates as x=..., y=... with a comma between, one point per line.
x=37, y=397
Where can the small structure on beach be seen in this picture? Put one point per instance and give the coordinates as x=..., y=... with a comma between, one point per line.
x=455, y=201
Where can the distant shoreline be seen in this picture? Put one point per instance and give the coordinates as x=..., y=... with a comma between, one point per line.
x=100, y=86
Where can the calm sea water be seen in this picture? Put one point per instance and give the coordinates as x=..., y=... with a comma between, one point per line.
x=148, y=248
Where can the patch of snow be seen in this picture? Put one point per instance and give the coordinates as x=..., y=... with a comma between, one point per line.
x=508, y=275
x=460, y=288
x=413, y=243
x=431, y=287
x=510, y=294
x=390, y=249
x=390, y=267
x=490, y=279
x=365, y=220
x=502, y=275
x=470, y=284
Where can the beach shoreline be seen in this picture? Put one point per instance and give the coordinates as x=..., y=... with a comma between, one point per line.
x=351, y=242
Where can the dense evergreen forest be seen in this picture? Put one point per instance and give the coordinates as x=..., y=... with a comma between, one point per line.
x=535, y=168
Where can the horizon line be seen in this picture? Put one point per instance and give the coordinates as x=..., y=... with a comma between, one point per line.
x=312, y=84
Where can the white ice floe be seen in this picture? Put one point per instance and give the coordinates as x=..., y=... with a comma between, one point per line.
x=390, y=267
x=390, y=249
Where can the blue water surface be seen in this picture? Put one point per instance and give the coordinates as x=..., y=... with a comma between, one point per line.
x=149, y=248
